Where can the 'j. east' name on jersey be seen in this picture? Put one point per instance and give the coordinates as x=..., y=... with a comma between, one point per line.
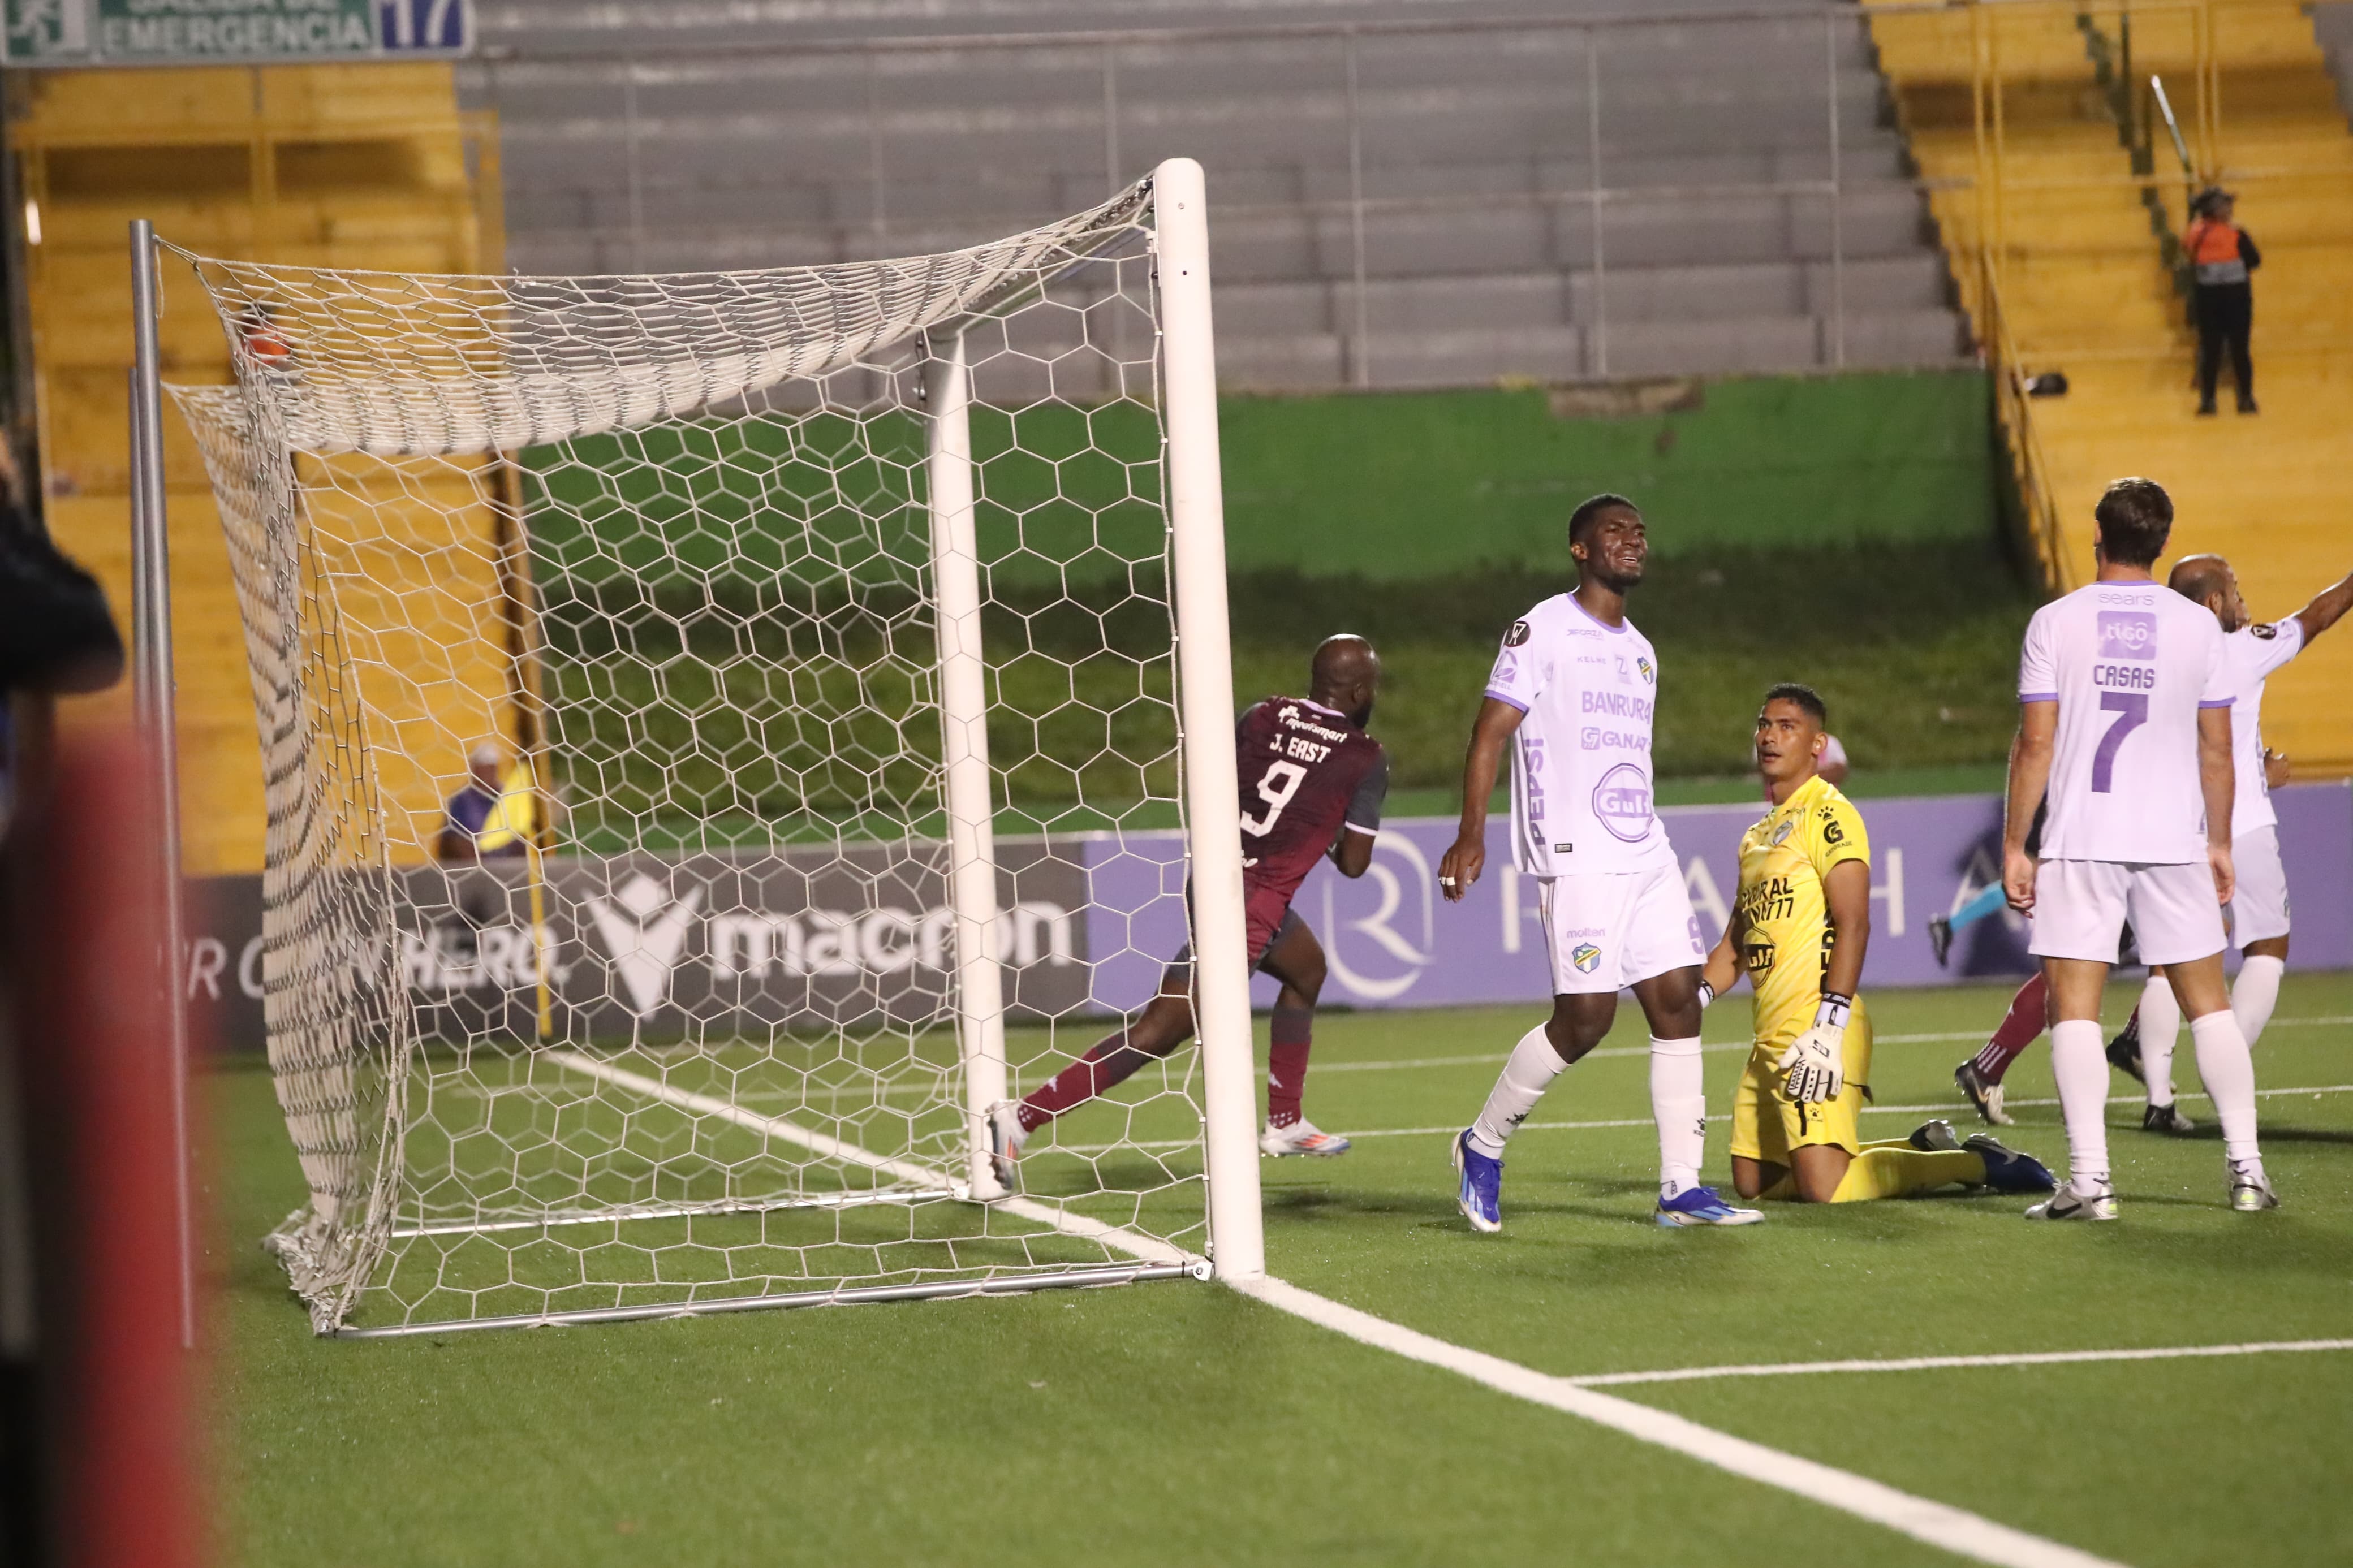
x=2129, y=664
x=1581, y=757
x=1306, y=773
x=1783, y=912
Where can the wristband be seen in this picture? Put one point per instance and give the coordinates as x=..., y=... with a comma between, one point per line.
x=1706, y=994
x=1834, y=1010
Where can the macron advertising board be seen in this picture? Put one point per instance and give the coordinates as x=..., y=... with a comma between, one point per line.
x=809, y=937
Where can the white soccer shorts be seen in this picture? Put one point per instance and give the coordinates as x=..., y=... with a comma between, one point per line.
x=1606, y=929
x=2259, y=906
x=2081, y=907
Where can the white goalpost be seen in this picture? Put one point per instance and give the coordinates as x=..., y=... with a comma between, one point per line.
x=722, y=734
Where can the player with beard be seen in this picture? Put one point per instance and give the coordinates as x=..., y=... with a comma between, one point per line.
x=1312, y=784
x=1571, y=695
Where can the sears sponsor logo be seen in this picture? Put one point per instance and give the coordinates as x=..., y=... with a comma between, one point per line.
x=1622, y=804
x=1616, y=705
x=1595, y=739
x=2127, y=634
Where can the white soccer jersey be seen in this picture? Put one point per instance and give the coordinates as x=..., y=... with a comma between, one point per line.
x=1581, y=758
x=2250, y=655
x=2129, y=664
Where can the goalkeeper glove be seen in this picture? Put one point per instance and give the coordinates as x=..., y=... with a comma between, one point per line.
x=1816, y=1062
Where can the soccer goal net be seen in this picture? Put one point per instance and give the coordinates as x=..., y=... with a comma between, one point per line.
x=722, y=733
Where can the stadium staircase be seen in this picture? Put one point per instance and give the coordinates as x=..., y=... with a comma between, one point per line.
x=2060, y=200
x=368, y=166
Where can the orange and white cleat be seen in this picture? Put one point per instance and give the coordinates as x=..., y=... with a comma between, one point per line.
x=1300, y=1137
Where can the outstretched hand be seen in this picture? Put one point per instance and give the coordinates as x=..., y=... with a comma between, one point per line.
x=1461, y=865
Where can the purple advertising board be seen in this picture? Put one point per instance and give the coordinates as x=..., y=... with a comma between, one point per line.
x=1393, y=942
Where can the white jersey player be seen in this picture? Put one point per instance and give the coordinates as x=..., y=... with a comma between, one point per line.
x=2125, y=727
x=1572, y=695
x=2252, y=652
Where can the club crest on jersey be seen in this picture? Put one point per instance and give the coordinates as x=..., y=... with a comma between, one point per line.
x=1587, y=957
x=2266, y=631
x=2127, y=634
x=1650, y=676
x=1517, y=635
x=1781, y=833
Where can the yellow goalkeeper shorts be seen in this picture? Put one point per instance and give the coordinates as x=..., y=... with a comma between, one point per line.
x=1767, y=1123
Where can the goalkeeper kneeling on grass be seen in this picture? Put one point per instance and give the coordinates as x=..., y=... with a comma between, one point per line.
x=1800, y=927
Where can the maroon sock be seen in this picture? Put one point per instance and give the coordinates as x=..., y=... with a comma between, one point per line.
x=1109, y=1063
x=1286, y=1063
x=2029, y=1014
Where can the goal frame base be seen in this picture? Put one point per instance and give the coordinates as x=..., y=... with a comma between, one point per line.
x=1011, y=1285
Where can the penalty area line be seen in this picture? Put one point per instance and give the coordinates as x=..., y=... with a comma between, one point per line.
x=1944, y=1363
x=1941, y=1525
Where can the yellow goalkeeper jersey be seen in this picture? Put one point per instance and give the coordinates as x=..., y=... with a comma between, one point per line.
x=1786, y=936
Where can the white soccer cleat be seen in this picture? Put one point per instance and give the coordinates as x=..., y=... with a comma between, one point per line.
x=2251, y=1190
x=1302, y=1137
x=1005, y=1139
x=2069, y=1204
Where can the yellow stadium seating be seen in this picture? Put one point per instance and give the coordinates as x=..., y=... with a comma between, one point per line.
x=363, y=166
x=2011, y=113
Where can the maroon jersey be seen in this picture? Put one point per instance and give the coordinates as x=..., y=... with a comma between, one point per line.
x=1306, y=773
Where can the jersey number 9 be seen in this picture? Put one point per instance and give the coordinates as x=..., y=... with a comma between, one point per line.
x=1275, y=786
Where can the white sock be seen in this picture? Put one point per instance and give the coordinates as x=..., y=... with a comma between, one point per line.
x=2224, y=1062
x=2080, y=1062
x=1533, y=1064
x=1678, y=1103
x=2160, y=1026
x=2255, y=994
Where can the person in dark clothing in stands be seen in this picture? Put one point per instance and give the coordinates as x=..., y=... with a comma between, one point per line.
x=2222, y=254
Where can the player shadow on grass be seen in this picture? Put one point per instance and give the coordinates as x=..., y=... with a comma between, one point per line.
x=2211, y=1132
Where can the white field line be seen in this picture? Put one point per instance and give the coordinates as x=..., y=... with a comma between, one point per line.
x=1134, y=1244
x=1940, y=1525
x=1942, y=1362
x=2315, y=1090
x=1953, y=1530
x=1946, y=1037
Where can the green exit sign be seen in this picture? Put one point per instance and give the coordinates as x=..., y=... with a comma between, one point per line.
x=232, y=32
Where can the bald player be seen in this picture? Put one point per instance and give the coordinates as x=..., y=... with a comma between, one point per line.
x=1313, y=784
x=2251, y=651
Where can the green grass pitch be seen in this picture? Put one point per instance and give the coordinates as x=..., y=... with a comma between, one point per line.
x=1178, y=1422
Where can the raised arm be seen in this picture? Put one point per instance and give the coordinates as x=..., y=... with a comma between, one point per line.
x=2217, y=782
x=2327, y=607
x=1490, y=733
x=2030, y=775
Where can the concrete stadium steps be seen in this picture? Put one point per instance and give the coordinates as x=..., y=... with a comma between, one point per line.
x=343, y=166
x=1473, y=150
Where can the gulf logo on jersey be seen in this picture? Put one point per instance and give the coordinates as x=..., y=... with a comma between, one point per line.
x=1621, y=803
x=2127, y=634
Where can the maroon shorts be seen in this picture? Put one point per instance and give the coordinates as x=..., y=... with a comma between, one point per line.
x=1266, y=918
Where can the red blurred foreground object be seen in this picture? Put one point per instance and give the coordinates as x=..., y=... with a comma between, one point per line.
x=93, y=1049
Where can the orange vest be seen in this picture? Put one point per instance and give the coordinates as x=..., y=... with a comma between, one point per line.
x=2213, y=249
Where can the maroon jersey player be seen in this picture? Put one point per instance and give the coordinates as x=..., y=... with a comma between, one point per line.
x=1312, y=784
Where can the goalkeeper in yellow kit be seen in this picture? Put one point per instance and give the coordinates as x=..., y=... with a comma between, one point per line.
x=1799, y=928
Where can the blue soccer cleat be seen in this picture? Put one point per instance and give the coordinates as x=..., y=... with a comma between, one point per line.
x=2008, y=1171
x=1482, y=1194
x=1704, y=1206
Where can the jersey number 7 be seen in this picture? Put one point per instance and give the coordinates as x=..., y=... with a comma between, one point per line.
x=2131, y=709
x=1275, y=786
